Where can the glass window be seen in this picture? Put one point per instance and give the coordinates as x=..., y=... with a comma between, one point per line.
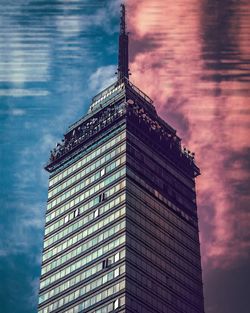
x=61, y=259
x=102, y=171
x=66, y=218
x=70, y=168
x=116, y=273
x=86, y=206
x=122, y=301
x=116, y=304
x=96, y=214
x=117, y=257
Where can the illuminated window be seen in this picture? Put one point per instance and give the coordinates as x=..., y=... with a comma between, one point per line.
x=76, y=212
x=116, y=304
x=66, y=219
x=117, y=257
x=102, y=172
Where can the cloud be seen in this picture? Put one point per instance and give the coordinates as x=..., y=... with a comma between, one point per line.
x=13, y=112
x=24, y=51
x=27, y=52
x=17, y=112
x=22, y=230
x=18, y=92
x=102, y=78
x=17, y=67
x=70, y=25
x=216, y=127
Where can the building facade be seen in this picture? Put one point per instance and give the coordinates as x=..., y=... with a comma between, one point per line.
x=121, y=231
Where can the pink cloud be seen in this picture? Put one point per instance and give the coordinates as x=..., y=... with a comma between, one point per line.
x=218, y=126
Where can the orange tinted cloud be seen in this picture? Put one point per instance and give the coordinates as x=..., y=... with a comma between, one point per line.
x=211, y=117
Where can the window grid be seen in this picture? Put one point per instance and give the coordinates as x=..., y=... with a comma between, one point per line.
x=81, y=209
x=151, y=153
x=180, y=224
x=84, y=220
x=110, y=307
x=163, y=233
x=160, y=196
x=111, y=291
x=81, y=277
x=86, y=158
x=82, y=248
x=86, y=170
x=108, y=292
x=114, y=244
x=89, y=192
x=84, y=183
x=184, y=200
x=83, y=233
x=94, y=284
x=152, y=273
x=170, y=256
x=165, y=264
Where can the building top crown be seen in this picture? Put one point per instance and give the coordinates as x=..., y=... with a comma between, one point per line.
x=121, y=100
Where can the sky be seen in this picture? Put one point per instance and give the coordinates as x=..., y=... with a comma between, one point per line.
x=190, y=56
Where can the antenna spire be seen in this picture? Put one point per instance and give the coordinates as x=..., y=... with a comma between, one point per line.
x=123, y=70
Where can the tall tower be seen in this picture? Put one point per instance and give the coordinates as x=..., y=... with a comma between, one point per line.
x=121, y=231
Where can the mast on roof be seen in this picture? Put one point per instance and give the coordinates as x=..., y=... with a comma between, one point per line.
x=123, y=70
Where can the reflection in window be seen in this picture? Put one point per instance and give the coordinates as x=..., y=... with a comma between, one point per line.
x=96, y=214
x=116, y=304
x=66, y=218
x=102, y=171
x=102, y=196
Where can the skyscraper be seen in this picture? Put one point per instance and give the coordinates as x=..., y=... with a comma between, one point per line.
x=121, y=231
